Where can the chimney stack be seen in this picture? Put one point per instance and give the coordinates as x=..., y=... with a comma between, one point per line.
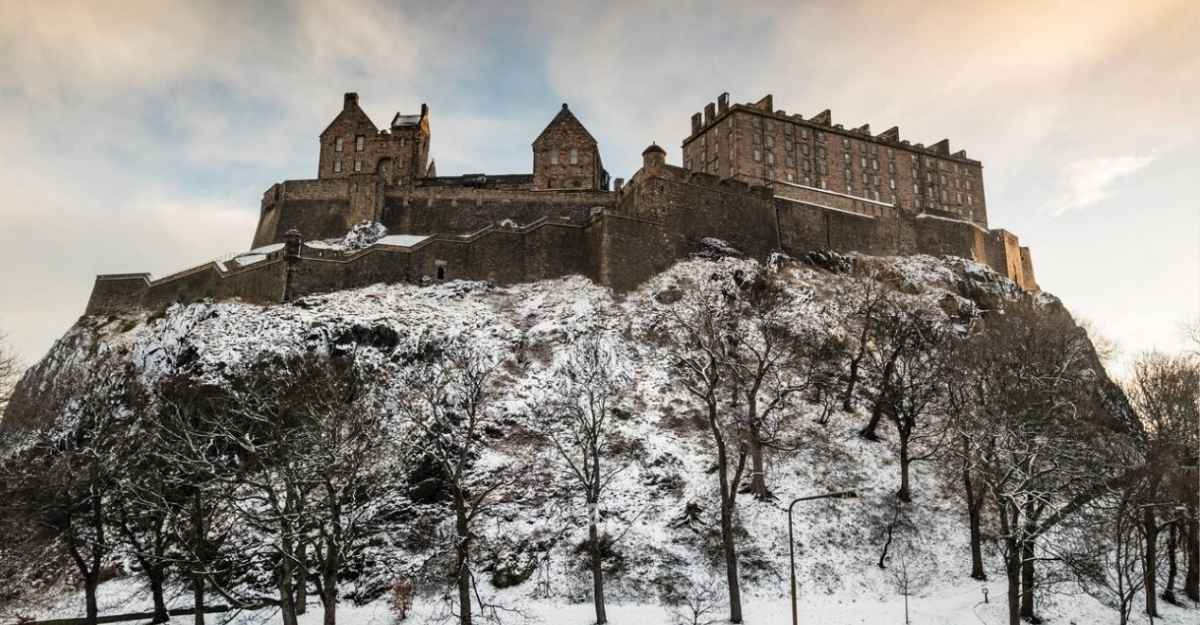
x=618, y=184
x=696, y=123
x=722, y=103
x=710, y=111
x=350, y=99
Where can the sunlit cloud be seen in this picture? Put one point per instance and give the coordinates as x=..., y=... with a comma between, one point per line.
x=1087, y=182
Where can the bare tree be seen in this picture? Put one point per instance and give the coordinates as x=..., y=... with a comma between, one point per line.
x=9, y=369
x=699, y=330
x=913, y=397
x=697, y=603
x=358, y=452
x=897, y=333
x=770, y=366
x=67, y=476
x=869, y=298
x=1109, y=563
x=576, y=418
x=1036, y=433
x=249, y=444
x=449, y=396
x=911, y=569
x=1163, y=391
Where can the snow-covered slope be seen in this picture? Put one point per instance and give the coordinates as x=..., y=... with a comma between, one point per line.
x=666, y=456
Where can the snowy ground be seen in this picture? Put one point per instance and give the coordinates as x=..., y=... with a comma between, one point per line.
x=952, y=604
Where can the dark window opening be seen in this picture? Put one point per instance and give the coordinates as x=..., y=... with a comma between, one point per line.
x=441, y=273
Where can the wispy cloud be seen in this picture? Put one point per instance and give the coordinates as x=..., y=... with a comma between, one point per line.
x=1089, y=181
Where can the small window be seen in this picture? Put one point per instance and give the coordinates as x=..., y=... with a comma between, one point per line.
x=770, y=142
x=357, y=165
x=553, y=157
x=891, y=183
x=337, y=144
x=875, y=164
x=358, y=143
x=845, y=143
x=770, y=158
x=441, y=272
x=790, y=178
x=864, y=162
x=970, y=200
x=849, y=188
x=574, y=156
x=757, y=156
x=337, y=166
x=916, y=188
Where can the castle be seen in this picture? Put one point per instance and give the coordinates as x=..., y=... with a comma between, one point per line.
x=759, y=179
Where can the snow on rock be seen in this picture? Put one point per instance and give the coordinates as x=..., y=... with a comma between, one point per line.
x=663, y=503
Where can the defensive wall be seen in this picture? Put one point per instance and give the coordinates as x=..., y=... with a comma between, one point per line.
x=562, y=219
x=618, y=238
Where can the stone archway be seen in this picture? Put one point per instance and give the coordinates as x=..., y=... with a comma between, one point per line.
x=385, y=170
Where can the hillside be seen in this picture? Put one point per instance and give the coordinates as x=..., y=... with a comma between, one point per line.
x=662, y=505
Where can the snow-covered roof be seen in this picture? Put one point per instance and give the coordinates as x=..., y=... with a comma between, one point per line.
x=402, y=240
x=405, y=120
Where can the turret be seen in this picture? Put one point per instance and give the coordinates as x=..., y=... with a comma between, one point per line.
x=653, y=157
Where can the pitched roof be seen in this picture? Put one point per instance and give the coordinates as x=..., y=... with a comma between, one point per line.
x=565, y=116
x=351, y=108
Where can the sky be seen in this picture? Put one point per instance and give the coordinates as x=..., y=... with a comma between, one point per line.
x=139, y=136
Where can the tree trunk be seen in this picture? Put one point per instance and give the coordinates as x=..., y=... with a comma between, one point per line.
x=597, y=572
x=1168, y=593
x=849, y=394
x=1012, y=569
x=90, y=582
x=329, y=599
x=301, y=600
x=1191, y=583
x=155, y=573
x=284, y=573
x=1027, y=579
x=973, y=514
x=328, y=581
x=880, y=397
x=973, y=519
x=868, y=432
x=463, y=564
x=731, y=564
x=198, y=599
x=758, y=473
x=1150, y=567
x=905, y=492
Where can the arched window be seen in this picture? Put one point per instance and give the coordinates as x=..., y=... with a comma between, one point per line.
x=574, y=156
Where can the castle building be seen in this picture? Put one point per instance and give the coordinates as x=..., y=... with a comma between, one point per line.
x=761, y=180
x=766, y=146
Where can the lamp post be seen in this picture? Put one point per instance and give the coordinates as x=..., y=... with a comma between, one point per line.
x=846, y=494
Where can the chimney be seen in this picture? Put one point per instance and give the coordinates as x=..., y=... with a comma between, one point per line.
x=695, y=123
x=349, y=100
x=710, y=111
x=722, y=103
x=618, y=184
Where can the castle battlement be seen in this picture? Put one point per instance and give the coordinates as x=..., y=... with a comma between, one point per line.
x=760, y=179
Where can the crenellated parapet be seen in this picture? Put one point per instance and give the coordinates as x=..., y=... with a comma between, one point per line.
x=761, y=180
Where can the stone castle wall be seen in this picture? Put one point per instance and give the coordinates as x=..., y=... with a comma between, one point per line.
x=618, y=239
x=759, y=179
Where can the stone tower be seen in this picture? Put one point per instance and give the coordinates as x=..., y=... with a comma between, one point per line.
x=566, y=156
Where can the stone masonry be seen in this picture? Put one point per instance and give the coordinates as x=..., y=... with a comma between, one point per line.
x=761, y=180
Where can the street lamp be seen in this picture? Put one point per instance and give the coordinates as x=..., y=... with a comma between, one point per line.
x=846, y=494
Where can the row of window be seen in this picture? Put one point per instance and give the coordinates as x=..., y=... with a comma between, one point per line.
x=573, y=156
x=337, y=166
x=359, y=143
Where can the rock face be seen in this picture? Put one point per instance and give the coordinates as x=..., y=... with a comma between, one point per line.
x=663, y=500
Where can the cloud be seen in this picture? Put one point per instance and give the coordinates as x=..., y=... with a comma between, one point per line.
x=1089, y=181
